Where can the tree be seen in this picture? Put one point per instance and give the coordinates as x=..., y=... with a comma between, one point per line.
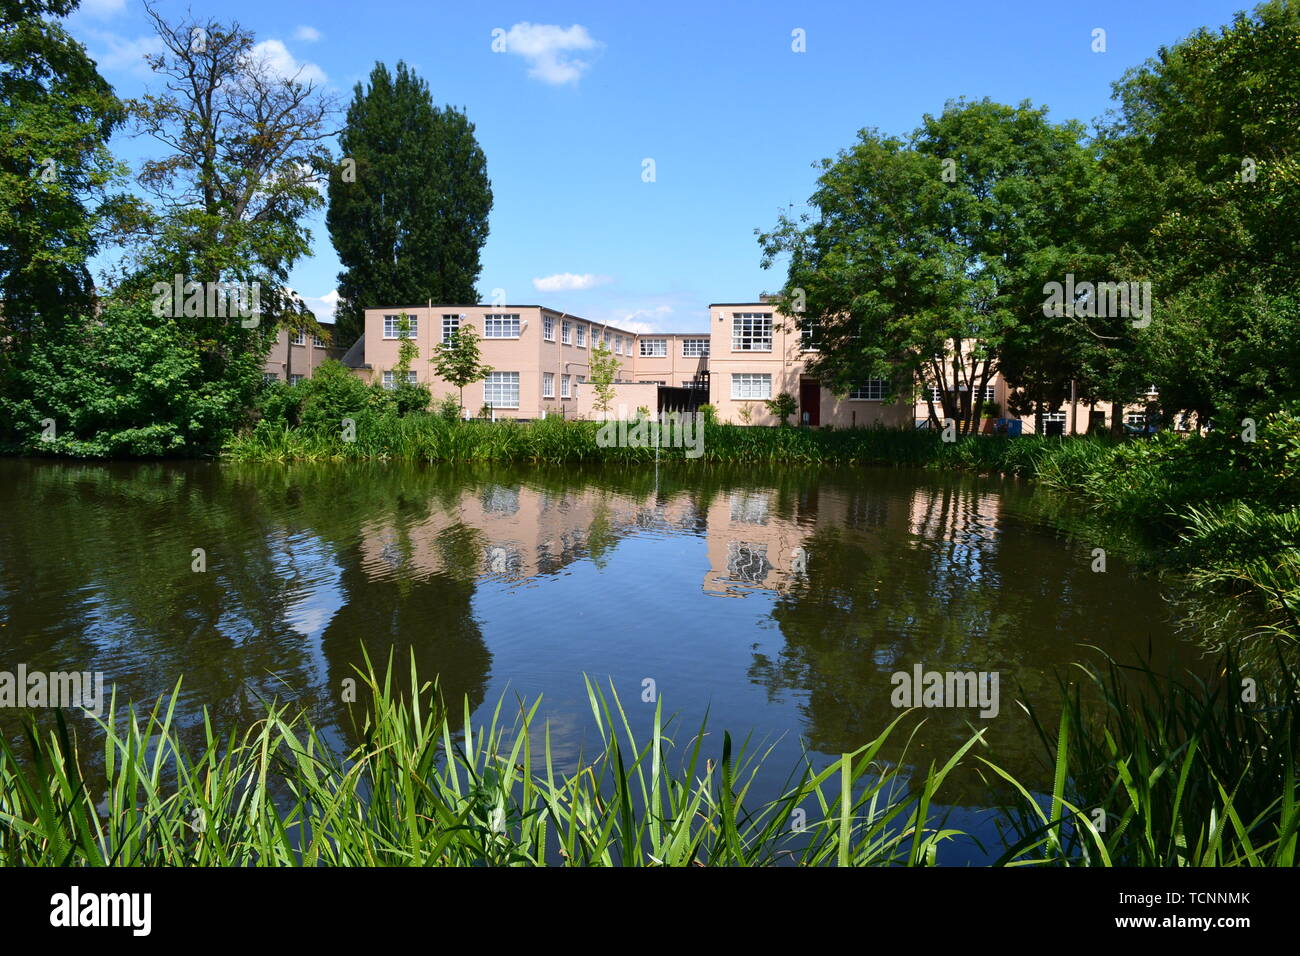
x=245, y=155
x=408, y=396
x=1203, y=159
x=927, y=255
x=408, y=206
x=603, y=372
x=458, y=362
x=783, y=406
x=56, y=116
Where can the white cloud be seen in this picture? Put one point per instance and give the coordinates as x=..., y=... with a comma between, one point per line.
x=547, y=49
x=277, y=58
x=569, y=282
x=102, y=9
x=306, y=34
x=113, y=52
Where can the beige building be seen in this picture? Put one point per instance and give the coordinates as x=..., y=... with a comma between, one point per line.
x=296, y=355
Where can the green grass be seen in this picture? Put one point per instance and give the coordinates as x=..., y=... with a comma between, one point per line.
x=1185, y=775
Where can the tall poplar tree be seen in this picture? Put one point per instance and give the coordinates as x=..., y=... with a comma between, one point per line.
x=408, y=204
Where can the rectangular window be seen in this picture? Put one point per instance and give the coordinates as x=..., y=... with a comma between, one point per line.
x=450, y=326
x=501, y=389
x=317, y=341
x=872, y=390
x=581, y=379
x=548, y=328
x=548, y=385
x=270, y=377
x=582, y=336
x=990, y=392
x=646, y=381
x=604, y=337
x=694, y=383
x=501, y=327
x=566, y=386
x=618, y=345
x=390, y=378
x=565, y=329
x=295, y=379
x=936, y=394
x=298, y=337
x=393, y=327
x=654, y=348
x=751, y=332
x=695, y=348
x=809, y=340
x=751, y=385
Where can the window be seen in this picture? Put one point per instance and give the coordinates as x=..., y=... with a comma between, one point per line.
x=295, y=379
x=548, y=328
x=582, y=337
x=581, y=379
x=1135, y=419
x=565, y=387
x=695, y=383
x=565, y=329
x=501, y=327
x=298, y=337
x=654, y=348
x=501, y=389
x=751, y=332
x=809, y=341
x=317, y=341
x=751, y=385
x=646, y=381
x=936, y=394
x=390, y=378
x=393, y=327
x=618, y=345
x=990, y=391
x=450, y=326
x=604, y=335
x=1060, y=417
x=548, y=385
x=270, y=377
x=695, y=348
x=872, y=390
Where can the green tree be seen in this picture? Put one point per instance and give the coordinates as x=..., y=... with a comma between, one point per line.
x=926, y=257
x=603, y=372
x=1203, y=163
x=458, y=360
x=408, y=396
x=56, y=116
x=783, y=406
x=408, y=206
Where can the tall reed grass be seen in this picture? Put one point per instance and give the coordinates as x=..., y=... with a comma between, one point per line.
x=1182, y=775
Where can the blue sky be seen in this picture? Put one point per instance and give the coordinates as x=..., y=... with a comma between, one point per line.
x=713, y=93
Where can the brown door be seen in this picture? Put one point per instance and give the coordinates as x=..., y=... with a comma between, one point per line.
x=810, y=402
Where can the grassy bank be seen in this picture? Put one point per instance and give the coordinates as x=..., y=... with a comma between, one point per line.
x=1186, y=782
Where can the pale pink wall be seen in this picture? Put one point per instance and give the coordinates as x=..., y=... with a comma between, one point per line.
x=305, y=358
x=786, y=364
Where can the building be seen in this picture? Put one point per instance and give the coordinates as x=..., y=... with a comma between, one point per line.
x=750, y=353
x=296, y=355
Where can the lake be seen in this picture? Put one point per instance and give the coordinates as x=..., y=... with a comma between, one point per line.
x=779, y=601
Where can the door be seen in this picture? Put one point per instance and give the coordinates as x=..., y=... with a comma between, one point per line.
x=810, y=402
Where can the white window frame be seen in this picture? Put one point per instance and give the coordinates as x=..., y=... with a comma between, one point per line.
x=450, y=326
x=496, y=322
x=318, y=342
x=618, y=345
x=501, y=385
x=872, y=390
x=654, y=348
x=548, y=385
x=580, y=336
x=746, y=331
x=745, y=386
x=393, y=323
x=695, y=347
x=296, y=377
x=548, y=328
x=566, y=331
x=566, y=386
x=297, y=337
